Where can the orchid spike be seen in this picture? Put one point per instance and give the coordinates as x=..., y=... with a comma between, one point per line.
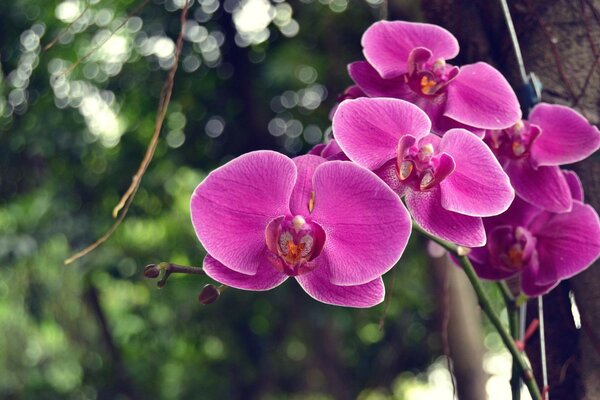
x=333, y=226
x=531, y=151
x=407, y=61
x=449, y=183
x=541, y=247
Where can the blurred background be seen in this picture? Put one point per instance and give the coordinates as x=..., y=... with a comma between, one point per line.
x=253, y=74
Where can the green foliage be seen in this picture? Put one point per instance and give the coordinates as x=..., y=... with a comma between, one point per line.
x=69, y=146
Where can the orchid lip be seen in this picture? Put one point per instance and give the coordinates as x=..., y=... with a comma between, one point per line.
x=426, y=78
x=419, y=166
x=293, y=243
x=512, y=248
x=514, y=142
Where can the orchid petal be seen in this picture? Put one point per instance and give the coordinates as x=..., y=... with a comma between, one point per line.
x=318, y=286
x=427, y=211
x=368, y=130
x=481, y=97
x=545, y=187
x=520, y=213
x=302, y=193
x=231, y=208
x=387, y=45
x=367, y=78
x=567, y=243
x=574, y=184
x=366, y=225
x=478, y=186
x=566, y=137
x=486, y=270
x=529, y=281
x=265, y=278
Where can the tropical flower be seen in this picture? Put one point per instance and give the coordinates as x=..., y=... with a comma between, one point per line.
x=330, y=151
x=531, y=151
x=333, y=226
x=541, y=247
x=448, y=183
x=408, y=61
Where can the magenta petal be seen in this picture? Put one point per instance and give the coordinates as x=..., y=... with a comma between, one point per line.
x=481, y=97
x=545, y=187
x=306, y=165
x=368, y=130
x=368, y=79
x=366, y=225
x=529, y=281
x=266, y=277
x=318, y=286
x=486, y=270
x=574, y=184
x=478, y=186
x=567, y=243
x=520, y=213
x=427, y=210
x=387, y=45
x=233, y=205
x=566, y=137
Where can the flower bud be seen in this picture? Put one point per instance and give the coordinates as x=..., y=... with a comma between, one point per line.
x=209, y=294
x=151, y=271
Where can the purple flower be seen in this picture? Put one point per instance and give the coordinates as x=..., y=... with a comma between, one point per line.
x=448, y=183
x=333, y=226
x=408, y=61
x=543, y=247
x=330, y=151
x=532, y=150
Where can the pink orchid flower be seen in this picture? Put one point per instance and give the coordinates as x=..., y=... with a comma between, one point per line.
x=541, y=247
x=531, y=151
x=333, y=226
x=407, y=61
x=448, y=183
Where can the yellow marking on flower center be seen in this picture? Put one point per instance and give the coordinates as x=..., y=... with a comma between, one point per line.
x=427, y=85
x=294, y=251
x=311, y=202
x=427, y=181
x=406, y=168
x=518, y=148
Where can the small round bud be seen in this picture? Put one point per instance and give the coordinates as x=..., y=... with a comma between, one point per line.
x=151, y=271
x=209, y=294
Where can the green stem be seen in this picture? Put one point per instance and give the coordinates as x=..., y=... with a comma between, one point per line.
x=486, y=306
x=513, y=322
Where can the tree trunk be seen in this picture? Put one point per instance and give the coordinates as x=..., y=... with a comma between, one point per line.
x=460, y=328
x=560, y=41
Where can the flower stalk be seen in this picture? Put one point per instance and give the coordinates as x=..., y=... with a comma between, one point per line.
x=520, y=364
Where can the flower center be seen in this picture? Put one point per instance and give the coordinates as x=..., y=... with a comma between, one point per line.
x=293, y=243
x=514, y=142
x=418, y=164
x=511, y=248
x=427, y=78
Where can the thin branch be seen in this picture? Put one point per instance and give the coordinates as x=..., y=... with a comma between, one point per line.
x=66, y=30
x=165, y=98
x=92, y=51
x=163, y=104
